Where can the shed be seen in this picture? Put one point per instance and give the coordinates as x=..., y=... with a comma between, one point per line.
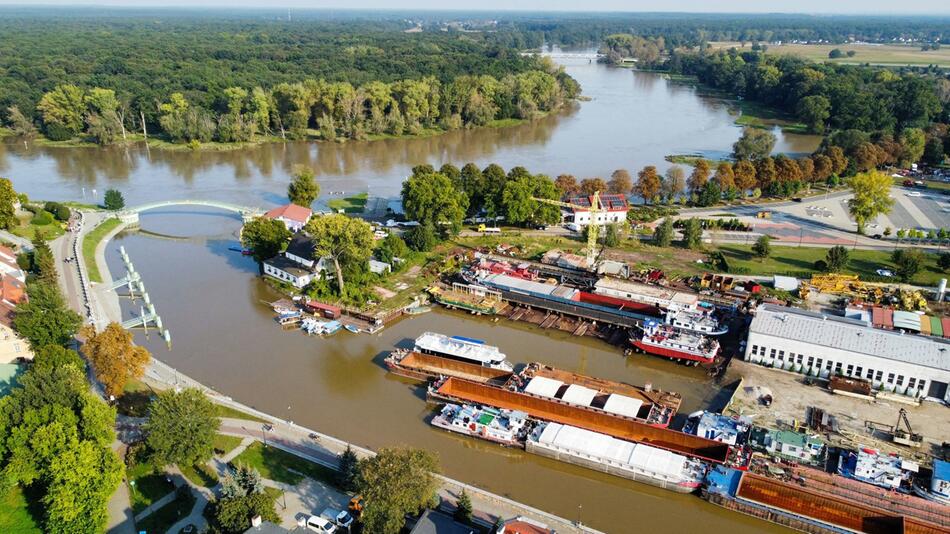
x=786, y=283
x=326, y=310
x=379, y=267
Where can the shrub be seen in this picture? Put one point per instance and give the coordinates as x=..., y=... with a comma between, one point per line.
x=42, y=218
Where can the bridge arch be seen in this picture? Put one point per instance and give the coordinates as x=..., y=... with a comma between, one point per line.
x=130, y=215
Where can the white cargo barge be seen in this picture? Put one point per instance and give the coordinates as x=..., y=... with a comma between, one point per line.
x=462, y=349
x=626, y=459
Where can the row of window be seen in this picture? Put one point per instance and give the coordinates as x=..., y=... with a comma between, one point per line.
x=837, y=368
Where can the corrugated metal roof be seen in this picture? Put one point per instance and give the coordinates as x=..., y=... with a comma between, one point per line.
x=512, y=282
x=543, y=386
x=850, y=335
x=577, y=394
x=622, y=405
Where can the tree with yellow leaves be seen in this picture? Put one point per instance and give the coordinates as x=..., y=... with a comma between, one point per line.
x=114, y=357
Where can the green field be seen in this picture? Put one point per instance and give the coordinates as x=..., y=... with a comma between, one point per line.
x=796, y=261
x=200, y=475
x=352, y=205
x=89, y=244
x=224, y=444
x=221, y=410
x=168, y=515
x=27, y=230
x=275, y=464
x=863, y=53
x=15, y=514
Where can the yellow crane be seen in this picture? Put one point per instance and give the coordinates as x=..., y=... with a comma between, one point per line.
x=595, y=209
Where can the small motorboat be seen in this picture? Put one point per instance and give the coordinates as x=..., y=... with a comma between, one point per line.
x=418, y=310
x=352, y=328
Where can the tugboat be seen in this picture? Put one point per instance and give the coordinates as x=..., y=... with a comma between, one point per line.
x=505, y=427
x=664, y=340
x=701, y=322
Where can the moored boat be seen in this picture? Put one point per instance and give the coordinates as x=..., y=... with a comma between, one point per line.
x=462, y=349
x=352, y=328
x=419, y=366
x=669, y=342
x=505, y=427
x=702, y=322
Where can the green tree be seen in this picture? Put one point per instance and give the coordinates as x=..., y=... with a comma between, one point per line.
x=233, y=515
x=8, y=201
x=390, y=248
x=422, y=238
x=814, y=111
x=663, y=235
x=611, y=236
x=82, y=478
x=755, y=143
x=943, y=261
x=907, y=262
x=114, y=200
x=835, y=53
x=762, y=248
x=648, y=184
x=45, y=319
x=710, y=194
x=44, y=264
x=348, y=241
x=693, y=233
x=181, y=427
x=871, y=197
x=264, y=237
x=519, y=204
x=913, y=142
x=21, y=125
x=933, y=152
x=348, y=473
x=396, y=482
x=63, y=110
x=240, y=481
x=303, y=188
x=114, y=357
x=432, y=198
x=463, y=508
x=837, y=258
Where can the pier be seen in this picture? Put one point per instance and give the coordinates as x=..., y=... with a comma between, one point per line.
x=147, y=316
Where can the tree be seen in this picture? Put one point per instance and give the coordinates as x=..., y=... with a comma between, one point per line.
x=823, y=167
x=835, y=53
x=663, y=235
x=699, y=176
x=620, y=182
x=241, y=481
x=19, y=123
x=755, y=143
x=648, y=184
x=675, y=182
x=44, y=264
x=710, y=194
x=348, y=473
x=45, y=319
x=181, y=427
x=814, y=111
x=463, y=508
x=762, y=247
x=933, y=152
x=422, y=238
x=114, y=357
x=566, y=184
x=82, y=478
x=725, y=176
x=765, y=172
x=233, y=515
x=907, y=262
x=913, y=142
x=63, y=110
x=871, y=197
x=744, y=172
x=396, y=482
x=347, y=240
x=837, y=258
x=611, y=236
x=8, y=200
x=693, y=233
x=303, y=189
x=431, y=198
x=519, y=205
x=390, y=248
x=264, y=237
x=113, y=200
x=589, y=186
x=943, y=261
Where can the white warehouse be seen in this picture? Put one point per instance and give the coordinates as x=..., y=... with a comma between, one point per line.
x=822, y=345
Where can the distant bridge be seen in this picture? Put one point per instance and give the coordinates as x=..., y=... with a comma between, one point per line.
x=131, y=215
x=566, y=55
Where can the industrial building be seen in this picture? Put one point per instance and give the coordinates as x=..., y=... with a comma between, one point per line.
x=824, y=345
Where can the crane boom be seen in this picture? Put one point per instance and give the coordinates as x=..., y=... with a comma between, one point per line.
x=595, y=209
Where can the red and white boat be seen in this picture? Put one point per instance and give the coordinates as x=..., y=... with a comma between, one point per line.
x=681, y=345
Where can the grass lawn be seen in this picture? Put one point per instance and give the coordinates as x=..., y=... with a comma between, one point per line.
x=794, y=260
x=224, y=444
x=89, y=244
x=864, y=53
x=150, y=484
x=202, y=475
x=759, y=115
x=931, y=184
x=352, y=204
x=27, y=230
x=275, y=464
x=226, y=411
x=15, y=514
x=160, y=520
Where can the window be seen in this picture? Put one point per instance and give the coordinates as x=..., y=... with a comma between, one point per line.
x=828, y=365
x=890, y=378
x=772, y=353
x=870, y=374
x=922, y=386
x=857, y=372
x=912, y=382
x=781, y=355
x=850, y=370
x=800, y=358
x=880, y=374
x=900, y=380
x=811, y=361
x=818, y=363
x=755, y=349
x=16, y=347
x=838, y=368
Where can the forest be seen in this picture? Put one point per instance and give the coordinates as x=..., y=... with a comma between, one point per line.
x=197, y=78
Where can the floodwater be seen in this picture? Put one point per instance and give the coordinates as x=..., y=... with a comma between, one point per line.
x=211, y=299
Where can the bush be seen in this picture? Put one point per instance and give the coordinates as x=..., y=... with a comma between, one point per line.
x=58, y=210
x=645, y=214
x=821, y=266
x=421, y=238
x=42, y=218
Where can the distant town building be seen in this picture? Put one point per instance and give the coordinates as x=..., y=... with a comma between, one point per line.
x=292, y=215
x=615, y=210
x=8, y=264
x=824, y=345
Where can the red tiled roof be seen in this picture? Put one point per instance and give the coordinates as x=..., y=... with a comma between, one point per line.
x=290, y=211
x=516, y=526
x=6, y=314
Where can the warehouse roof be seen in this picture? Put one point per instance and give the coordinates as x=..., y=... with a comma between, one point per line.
x=850, y=335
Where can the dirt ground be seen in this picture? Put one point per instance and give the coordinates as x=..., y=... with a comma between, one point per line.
x=791, y=398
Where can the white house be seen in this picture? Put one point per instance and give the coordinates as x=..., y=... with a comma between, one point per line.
x=292, y=215
x=615, y=210
x=379, y=267
x=300, y=250
x=287, y=270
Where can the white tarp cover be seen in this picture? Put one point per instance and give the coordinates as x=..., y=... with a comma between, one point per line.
x=580, y=395
x=543, y=386
x=622, y=405
x=439, y=343
x=658, y=461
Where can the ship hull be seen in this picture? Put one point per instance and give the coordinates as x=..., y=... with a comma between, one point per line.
x=673, y=354
x=439, y=423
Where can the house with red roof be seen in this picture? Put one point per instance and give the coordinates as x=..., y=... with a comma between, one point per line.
x=8, y=264
x=292, y=215
x=523, y=525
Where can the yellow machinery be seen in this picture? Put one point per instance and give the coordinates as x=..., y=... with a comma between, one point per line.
x=595, y=209
x=847, y=284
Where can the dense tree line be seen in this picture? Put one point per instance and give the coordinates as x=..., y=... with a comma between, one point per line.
x=229, y=79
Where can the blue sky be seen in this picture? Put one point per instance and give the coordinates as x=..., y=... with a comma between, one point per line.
x=729, y=6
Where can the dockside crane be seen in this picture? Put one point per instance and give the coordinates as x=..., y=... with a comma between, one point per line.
x=595, y=209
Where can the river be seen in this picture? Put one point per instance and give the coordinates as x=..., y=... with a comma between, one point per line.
x=224, y=336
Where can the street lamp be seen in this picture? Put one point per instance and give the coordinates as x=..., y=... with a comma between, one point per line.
x=264, y=428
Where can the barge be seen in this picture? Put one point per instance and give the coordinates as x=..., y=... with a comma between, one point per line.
x=462, y=349
x=668, y=342
x=469, y=297
x=600, y=452
x=425, y=367
x=653, y=407
x=505, y=427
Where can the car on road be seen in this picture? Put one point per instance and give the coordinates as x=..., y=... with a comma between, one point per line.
x=884, y=272
x=320, y=524
x=913, y=194
x=877, y=236
x=341, y=518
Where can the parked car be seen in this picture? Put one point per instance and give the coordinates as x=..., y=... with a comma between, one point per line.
x=339, y=517
x=914, y=194
x=884, y=272
x=877, y=236
x=320, y=524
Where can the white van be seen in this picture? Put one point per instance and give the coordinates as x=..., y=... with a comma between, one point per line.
x=320, y=524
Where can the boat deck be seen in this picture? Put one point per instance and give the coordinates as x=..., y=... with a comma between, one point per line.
x=626, y=428
x=436, y=366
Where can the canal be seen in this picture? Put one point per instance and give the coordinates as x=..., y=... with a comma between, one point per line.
x=224, y=336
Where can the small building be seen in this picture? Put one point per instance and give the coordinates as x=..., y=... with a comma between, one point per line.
x=379, y=267
x=940, y=481
x=432, y=522
x=13, y=348
x=12, y=290
x=326, y=310
x=293, y=216
x=286, y=270
x=790, y=445
x=524, y=525
x=8, y=264
x=300, y=250
x=615, y=208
